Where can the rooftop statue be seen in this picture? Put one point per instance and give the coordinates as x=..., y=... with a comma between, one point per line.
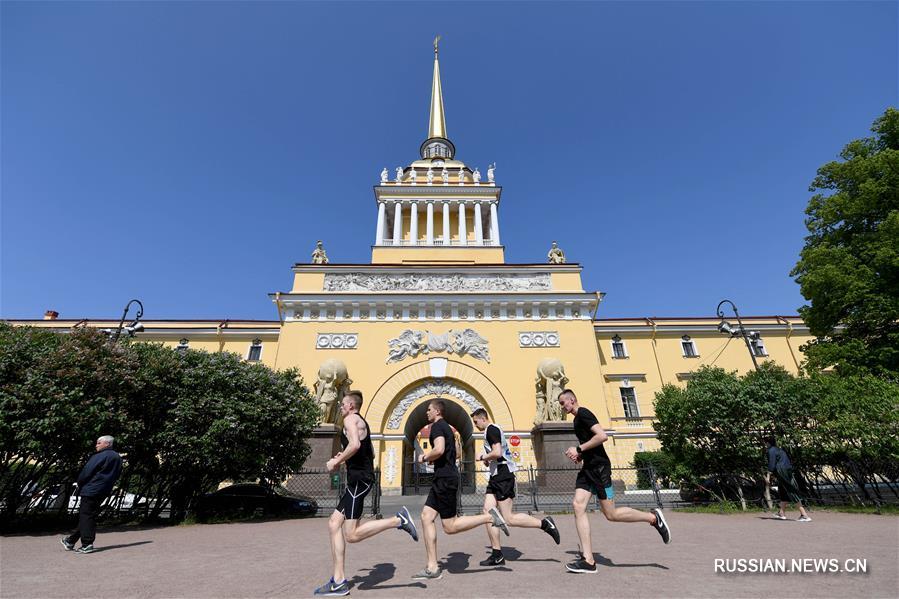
x=461, y=175
x=318, y=254
x=476, y=175
x=399, y=174
x=412, y=176
x=556, y=255
x=444, y=174
x=430, y=176
x=384, y=175
x=490, y=171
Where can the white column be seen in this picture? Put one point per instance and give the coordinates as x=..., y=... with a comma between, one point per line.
x=379, y=234
x=478, y=227
x=429, y=232
x=413, y=224
x=494, y=224
x=463, y=230
x=398, y=224
x=446, y=221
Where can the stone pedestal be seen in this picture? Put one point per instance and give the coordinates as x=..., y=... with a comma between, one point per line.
x=555, y=472
x=551, y=439
x=325, y=442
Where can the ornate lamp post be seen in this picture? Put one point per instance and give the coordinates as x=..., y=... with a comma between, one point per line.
x=725, y=328
x=136, y=325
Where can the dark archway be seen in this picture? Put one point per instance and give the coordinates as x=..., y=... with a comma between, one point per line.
x=416, y=480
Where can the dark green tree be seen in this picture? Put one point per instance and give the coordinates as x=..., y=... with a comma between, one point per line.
x=849, y=268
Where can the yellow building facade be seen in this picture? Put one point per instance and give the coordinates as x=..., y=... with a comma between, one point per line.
x=437, y=312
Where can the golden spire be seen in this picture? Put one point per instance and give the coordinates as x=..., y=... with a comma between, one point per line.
x=437, y=122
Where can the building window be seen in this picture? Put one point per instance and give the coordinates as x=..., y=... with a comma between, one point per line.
x=689, y=347
x=629, y=402
x=618, y=350
x=255, y=351
x=758, y=347
x=182, y=345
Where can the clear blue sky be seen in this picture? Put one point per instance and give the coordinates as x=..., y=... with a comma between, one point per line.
x=188, y=154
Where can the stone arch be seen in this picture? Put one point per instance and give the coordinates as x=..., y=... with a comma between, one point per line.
x=392, y=390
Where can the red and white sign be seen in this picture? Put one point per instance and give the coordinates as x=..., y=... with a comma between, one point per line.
x=514, y=440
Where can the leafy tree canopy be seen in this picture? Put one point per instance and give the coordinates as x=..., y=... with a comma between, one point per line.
x=849, y=268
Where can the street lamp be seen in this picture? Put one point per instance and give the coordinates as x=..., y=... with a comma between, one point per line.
x=726, y=328
x=136, y=325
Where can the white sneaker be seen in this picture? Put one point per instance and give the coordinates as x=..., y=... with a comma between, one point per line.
x=804, y=519
x=780, y=516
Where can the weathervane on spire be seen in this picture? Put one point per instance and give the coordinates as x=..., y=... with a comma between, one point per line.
x=436, y=42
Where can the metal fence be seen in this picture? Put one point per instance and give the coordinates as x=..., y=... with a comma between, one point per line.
x=325, y=488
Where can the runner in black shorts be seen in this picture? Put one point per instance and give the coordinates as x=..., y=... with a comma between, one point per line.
x=595, y=478
x=501, y=487
x=358, y=455
x=442, y=498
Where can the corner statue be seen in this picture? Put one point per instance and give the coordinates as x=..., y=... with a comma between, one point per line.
x=550, y=383
x=555, y=255
x=318, y=254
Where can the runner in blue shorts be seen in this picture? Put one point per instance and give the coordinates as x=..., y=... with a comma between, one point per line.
x=595, y=478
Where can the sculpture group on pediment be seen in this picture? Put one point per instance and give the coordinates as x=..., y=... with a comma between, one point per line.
x=549, y=383
x=411, y=344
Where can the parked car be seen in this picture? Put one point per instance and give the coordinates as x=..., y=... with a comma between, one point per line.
x=723, y=486
x=51, y=498
x=252, y=499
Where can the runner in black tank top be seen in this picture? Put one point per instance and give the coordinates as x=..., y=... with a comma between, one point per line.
x=358, y=454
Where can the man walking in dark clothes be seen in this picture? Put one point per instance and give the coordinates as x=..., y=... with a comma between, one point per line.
x=359, y=456
x=94, y=485
x=781, y=467
x=595, y=477
x=501, y=487
x=442, y=498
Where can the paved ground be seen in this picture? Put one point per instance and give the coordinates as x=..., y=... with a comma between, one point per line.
x=289, y=558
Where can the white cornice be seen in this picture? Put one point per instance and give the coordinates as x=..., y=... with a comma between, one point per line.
x=387, y=193
x=678, y=329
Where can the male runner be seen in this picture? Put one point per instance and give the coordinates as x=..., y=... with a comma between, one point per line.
x=501, y=487
x=358, y=455
x=442, y=498
x=595, y=477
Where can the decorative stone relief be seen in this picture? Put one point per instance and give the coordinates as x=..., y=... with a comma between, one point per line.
x=390, y=465
x=435, y=282
x=337, y=341
x=538, y=339
x=550, y=383
x=332, y=384
x=438, y=388
x=412, y=343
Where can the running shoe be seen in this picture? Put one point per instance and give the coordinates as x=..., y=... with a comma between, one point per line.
x=85, y=549
x=407, y=523
x=780, y=516
x=804, y=519
x=661, y=525
x=332, y=589
x=552, y=530
x=65, y=543
x=428, y=575
x=498, y=521
x=494, y=560
x=581, y=566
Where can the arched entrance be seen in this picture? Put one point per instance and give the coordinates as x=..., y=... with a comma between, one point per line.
x=417, y=477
